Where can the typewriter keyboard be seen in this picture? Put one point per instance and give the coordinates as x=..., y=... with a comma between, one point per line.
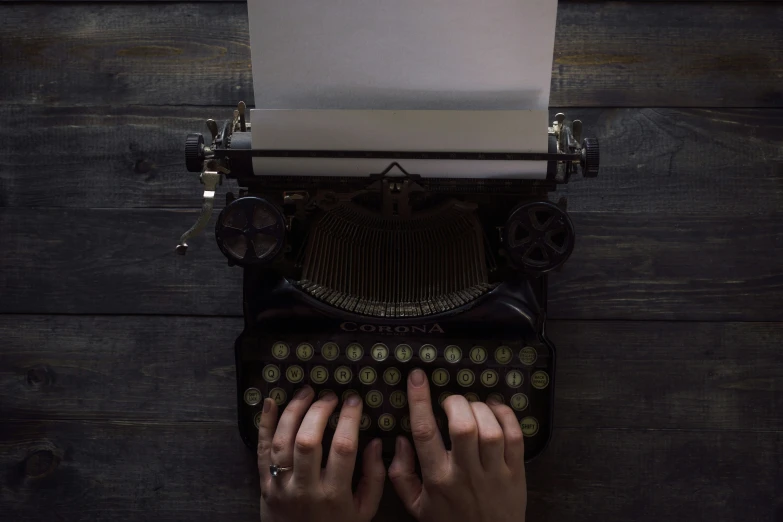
x=518, y=374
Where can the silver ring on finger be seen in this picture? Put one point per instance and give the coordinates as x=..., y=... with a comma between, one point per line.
x=276, y=470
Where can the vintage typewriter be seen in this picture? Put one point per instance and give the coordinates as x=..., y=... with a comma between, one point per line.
x=351, y=282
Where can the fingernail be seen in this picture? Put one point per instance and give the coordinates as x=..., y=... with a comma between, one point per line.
x=267, y=405
x=493, y=401
x=418, y=377
x=301, y=393
x=378, y=447
x=353, y=400
x=398, y=445
x=329, y=396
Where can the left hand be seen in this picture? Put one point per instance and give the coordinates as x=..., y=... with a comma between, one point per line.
x=308, y=493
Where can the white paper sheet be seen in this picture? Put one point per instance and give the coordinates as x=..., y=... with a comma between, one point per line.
x=403, y=54
x=414, y=130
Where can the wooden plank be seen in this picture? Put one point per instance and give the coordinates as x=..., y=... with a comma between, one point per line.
x=201, y=471
x=681, y=375
x=243, y=2
x=653, y=160
x=625, y=266
x=619, y=55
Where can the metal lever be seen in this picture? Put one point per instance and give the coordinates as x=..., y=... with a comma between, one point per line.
x=210, y=179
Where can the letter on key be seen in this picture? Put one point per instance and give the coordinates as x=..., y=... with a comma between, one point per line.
x=367, y=375
x=343, y=374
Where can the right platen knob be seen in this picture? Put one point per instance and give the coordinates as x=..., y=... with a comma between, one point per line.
x=590, y=157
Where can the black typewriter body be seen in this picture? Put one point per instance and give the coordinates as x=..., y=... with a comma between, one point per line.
x=350, y=283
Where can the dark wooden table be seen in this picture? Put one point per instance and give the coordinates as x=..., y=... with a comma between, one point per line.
x=116, y=364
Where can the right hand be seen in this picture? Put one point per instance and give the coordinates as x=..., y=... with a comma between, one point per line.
x=482, y=478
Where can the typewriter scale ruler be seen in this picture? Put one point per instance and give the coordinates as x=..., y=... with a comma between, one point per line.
x=386, y=154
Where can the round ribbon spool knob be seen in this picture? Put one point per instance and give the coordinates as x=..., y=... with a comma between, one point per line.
x=194, y=152
x=539, y=236
x=250, y=231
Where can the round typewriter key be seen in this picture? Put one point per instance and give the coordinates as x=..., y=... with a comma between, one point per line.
x=428, y=353
x=330, y=351
x=391, y=376
x=529, y=426
x=440, y=377
x=379, y=352
x=374, y=398
x=257, y=419
x=343, y=375
x=354, y=352
x=472, y=397
x=478, y=354
x=271, y=373
x=252, y=396
x=322, y=393
x=539, y=380
x=367, y=375
x=304, y=352
x=503, y=354
x=465, y=377
x=514, y=378
x=405, y=422
x=489, y=378
x=497, y=397
x=444, y=396
x=278, y=395
x=528, y=355
x=403, y=353
x=294, y=373
x=519, y=401
x=365, y=423
x=346, y=393
x=452, y=353
x=386, y=422
x=319, y=374
x=334, y=419
x=398, y=399
x=280, y=350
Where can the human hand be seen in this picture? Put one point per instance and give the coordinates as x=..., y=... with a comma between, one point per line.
x=482, y=478
x=308, y=493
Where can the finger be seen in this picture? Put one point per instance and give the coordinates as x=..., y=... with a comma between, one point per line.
x=490, y=436
x=463, y=432
x=370, y=489
x=426, y=437
x=402, y=474
x=307, y=446
x=512, y=434
x=266, y=430
x=345, y=443
x=288, y=426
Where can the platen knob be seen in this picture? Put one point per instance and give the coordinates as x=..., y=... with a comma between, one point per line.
x=590, y=157
x=194, y=152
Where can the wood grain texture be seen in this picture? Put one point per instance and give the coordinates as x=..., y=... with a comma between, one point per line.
x=615, y=55
x=626, y=374
x=652, y=160
x=624, y=266
x=202, y=471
